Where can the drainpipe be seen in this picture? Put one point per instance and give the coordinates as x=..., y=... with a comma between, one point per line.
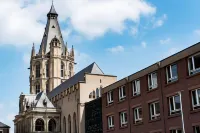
x=182, y=118
x=129, y=108
x=161, y=87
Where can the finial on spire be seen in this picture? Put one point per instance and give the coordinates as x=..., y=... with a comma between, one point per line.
x=33, y=50
x=52, y=2
x=72, y=51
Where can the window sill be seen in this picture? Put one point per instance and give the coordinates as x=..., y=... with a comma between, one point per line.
x=112, y=129
x=123, y=127
x=171, y=83
x=174, y=115
x=110, y=104
x=132, y=97
x=195, y=111
x=139, y=123
x=150, y=121
x=193, y=75
x=121, y=100
x=152, y=90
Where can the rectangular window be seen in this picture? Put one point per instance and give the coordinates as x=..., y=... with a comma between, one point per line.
x=196, y=129
x=137, y=114
x=172, y=73
x=123, y=119
x=152, y=81
x=154, y=110
x=47, y=70
x=194, y=64
x=110, y=122
x=195, y=98
x=110, y=97
x=122, y=93
x=136, y=87
x=176, y=131
x=174, y=104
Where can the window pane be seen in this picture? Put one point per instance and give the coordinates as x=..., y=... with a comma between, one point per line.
x=197, y=129
x=171, y=103
x=135, y=113
x=124, y=91
x=154, y=79
x=174, y=71
x=197, y=61
x=194, y=97
x=111, y=95
x=150, y=84
x=157, y=108
x=138, y=86
x=198, y=91
x=190, y=64
x=140, y=112
x=151, y=109
x=177, y=102
x=168, y=72
x=179, y=131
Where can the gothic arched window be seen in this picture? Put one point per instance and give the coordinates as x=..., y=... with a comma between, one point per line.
x=97, y=93
x=62, y=69
x=70, y=70
x=64, y=125
x=47, y=69
x=39, y=125
x=37, y=88
x=69, y=124
x=74, y=123
x=52, y=125
x=37, y=70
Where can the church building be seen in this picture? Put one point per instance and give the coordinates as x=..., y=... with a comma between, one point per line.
x=57, y=98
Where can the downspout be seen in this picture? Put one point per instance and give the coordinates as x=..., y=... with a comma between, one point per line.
x=129, y=108
x=161, y=87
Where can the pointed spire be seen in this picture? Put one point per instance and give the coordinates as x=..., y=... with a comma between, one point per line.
x=33, y=50
x=52, y=10
x=72, y=51
x=66, y=49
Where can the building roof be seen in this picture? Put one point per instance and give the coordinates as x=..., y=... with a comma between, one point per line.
x=91, y=69
x=160, y=64
x=52, y=30
x=2, y=125
x=52, y=10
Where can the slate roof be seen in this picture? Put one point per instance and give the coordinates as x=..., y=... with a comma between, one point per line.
x=52, y=10
x=2, y=125
x=92, y=68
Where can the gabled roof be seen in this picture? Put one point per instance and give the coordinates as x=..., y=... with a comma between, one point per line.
x=2, y=125
x=43, y=101
x=92, y=69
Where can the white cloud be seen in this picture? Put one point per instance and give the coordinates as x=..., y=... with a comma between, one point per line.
x=22, y=22
x=26, y=58
x=160, y=21
x=197, y=32
x=144, y=44
x=134, y=31
x=11, y=116
x=165, y=41
x=117, y=49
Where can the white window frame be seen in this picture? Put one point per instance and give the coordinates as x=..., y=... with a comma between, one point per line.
x=155, y=116
x=109, y=97
x=136, y=87
x=176, y=130
x=123, y=121
x=194, y=71
x=121, y=93
x=110, y=121
x=175, y=110
x=171, y=78
x=136, y=114
x=195, y=130
x=150, y=81
x=197, y=99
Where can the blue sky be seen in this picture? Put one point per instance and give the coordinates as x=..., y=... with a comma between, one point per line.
x=122, y=37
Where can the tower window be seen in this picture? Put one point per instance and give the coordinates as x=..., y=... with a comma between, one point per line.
x=37, y=70
x=70, y=70
x=47, y=70
x=37, y=88
x=62, y=70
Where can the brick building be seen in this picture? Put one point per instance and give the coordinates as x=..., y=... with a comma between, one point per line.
x=151, y=100
x=4, y=128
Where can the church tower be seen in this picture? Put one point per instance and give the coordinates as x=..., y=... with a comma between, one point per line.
x=54, y=63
